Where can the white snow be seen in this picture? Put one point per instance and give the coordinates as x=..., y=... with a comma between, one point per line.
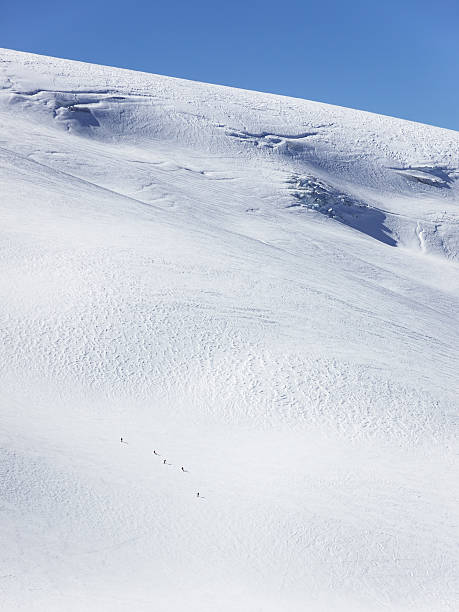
x=264, y=290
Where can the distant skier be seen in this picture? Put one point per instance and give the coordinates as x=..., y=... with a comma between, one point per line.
x=155, y=453
x=164, y=461
x=197, y=494
x=183, y=469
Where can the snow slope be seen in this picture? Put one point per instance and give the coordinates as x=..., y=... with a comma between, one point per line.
x=262, y=289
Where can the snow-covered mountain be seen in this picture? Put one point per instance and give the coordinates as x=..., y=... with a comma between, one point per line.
x=261, y=289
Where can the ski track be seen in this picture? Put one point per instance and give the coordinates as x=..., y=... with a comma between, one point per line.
x=294, y=348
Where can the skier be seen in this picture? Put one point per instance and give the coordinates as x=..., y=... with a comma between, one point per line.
x=155, y=453
x=183, y=469
x=197, y=494
x=164, y=462
x=121, y=440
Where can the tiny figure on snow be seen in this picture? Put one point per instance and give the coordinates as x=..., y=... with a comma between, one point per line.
x=197, y=494
x=183, y=469
x=155, y=453
x=164, y=461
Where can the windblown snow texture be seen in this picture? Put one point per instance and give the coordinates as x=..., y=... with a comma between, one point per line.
x=261, y=289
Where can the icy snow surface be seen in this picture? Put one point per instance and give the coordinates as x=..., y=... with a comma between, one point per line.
x=264, y=290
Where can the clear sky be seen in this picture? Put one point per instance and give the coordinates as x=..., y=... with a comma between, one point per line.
x=395, y=57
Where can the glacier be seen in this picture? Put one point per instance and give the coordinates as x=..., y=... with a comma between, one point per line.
x=262, y=290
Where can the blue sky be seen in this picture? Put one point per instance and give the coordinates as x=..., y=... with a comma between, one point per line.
x=393, y=57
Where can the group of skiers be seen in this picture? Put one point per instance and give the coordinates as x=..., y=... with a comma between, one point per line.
x=165, y=463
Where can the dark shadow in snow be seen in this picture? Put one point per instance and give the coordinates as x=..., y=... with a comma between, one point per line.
x=290, y=144
x=75, y=107
x=274, y=138
x=370, y=221
x=435, y=176
x=314, y=194
x=83, y=115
